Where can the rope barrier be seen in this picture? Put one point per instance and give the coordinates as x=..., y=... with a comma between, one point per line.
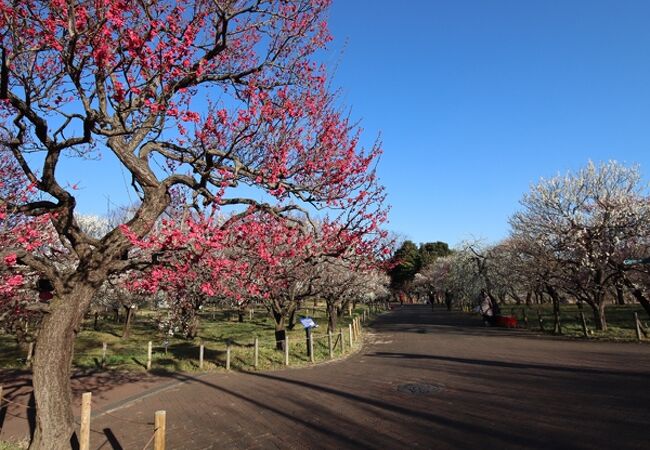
x=150, y=439
x=16, y=403
x=148, y=424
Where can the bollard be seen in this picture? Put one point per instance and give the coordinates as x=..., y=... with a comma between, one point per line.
x=351, y=335
x=159, y=430
x=84, y=427
x=256, y=344
x=286, y=350
x=329, y=344
x=585, y=332
x=149, y=351
x=637, y=326
x=104, y=348
x=311, y=348
x=201, y=349
x=228, y=348
x=341, y=340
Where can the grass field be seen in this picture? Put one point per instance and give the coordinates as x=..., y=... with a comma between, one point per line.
x=620, y=320
x=216, y=330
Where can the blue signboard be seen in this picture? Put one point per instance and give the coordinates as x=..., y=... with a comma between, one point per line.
x=308, y=322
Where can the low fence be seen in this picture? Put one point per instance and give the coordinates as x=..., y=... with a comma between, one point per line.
x=330, y=344
x=157, y=436
x=641, y=331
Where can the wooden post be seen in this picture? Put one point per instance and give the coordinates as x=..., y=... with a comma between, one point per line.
x=349, y=310
x=159, y=430
x=351, y=336
x=637, y=326
x=149, y=351
x=286, y=349
x=329, y=344
x=585, y=332
x=341, y=340
x=250, y=314
x=104, y=348
x=311, y=347
x=228, y=348
x=201, y=350
x=30, y=352
x=84, y=430
x=257, y=352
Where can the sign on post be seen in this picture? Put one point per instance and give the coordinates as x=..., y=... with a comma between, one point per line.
x=308, y=322
x=630, y=262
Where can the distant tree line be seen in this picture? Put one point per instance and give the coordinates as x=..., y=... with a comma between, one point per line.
x=578, y=238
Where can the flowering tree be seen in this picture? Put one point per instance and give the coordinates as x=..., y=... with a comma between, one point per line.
x=348, y=279
x=137, y=80
x=582, y=226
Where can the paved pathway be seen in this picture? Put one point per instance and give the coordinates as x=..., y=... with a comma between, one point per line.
x=495, y=388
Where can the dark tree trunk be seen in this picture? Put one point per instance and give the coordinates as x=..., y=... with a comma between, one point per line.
x=449, y=299
x=332, y=316
x=126, y=332
x=280, y=331
x=52, y=366
x=557, y=327
x=620, y=294
x=240, y=316
x=600, y=319
x=292, y=320
x=95, y=323
x=116, y=315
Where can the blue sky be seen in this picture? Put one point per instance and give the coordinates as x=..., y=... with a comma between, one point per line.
x=476, y=100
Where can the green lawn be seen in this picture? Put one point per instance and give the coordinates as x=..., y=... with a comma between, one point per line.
x=620, y=320
x=13, y=445
x=182, y=355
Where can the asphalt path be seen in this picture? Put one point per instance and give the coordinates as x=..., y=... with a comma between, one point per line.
x=423, y=379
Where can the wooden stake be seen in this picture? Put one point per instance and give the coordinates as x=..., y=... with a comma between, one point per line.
x=30, y=352
x=160, y=426
x=585, y=332
x=149, y=352
x=201, y=349
x=286, y=350
x=637, y=326
x=329, y=344
x=256, y=358
x=104, y=348
x=311, y=348
x=351, y=336
x=84, y=431
x=228, y=348
x=341, y=339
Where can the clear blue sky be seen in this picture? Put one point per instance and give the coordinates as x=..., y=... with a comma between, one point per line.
x=476, y=100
